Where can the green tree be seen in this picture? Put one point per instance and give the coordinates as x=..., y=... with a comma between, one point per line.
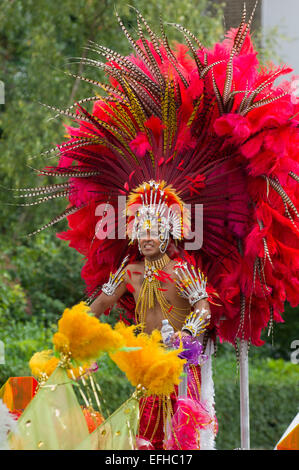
x=38, y=41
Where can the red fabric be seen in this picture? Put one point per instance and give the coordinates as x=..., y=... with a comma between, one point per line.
x=151, y=424
x=17, y=392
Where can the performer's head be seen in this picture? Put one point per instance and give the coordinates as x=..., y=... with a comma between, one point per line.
x=155, y=216
x=149, y=242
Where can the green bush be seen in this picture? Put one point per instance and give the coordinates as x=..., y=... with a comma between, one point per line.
x=38, y=280
x=11, y=295
x=273, y=395
x=48, y=271
x=21, y=340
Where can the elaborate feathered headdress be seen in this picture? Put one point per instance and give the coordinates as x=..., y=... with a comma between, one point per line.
x=210, y=123
x=156, y=207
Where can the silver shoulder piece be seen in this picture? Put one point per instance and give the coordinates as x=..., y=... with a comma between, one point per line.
x=115, y=279
x=191, y=284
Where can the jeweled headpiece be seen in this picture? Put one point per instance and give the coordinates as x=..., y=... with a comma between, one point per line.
x=157, y=208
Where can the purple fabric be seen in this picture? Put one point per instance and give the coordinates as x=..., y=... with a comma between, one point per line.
x=192, y=350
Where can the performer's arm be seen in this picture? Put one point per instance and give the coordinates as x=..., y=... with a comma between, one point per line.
x=192, y=286
x=198, y=320
x=104, y=301
x=112, y=291
x=203, y=308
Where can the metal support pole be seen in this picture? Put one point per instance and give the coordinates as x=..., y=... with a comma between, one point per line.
x=183, y=385
x=244, y=396
x=207, y=436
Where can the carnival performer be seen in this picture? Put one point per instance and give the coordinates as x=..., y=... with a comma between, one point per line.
x=179, y=128
x=156, y=294
x=163, y=288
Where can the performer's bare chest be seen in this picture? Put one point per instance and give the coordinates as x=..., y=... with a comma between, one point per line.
x=168, y=290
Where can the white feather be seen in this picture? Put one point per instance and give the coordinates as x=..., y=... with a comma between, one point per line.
x=7, y=424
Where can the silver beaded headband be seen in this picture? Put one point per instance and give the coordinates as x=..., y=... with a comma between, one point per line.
x=155, y=213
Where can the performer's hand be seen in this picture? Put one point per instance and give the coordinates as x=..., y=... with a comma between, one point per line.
x=179, y=334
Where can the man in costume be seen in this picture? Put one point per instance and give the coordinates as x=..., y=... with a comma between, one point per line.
x=213, y=124
x=151, y=281
x=162, y=288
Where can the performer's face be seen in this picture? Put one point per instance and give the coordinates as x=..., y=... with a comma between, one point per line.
x=149, y=242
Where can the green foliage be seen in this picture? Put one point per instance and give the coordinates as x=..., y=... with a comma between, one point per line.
x=285, y=333
x=40, y=43
x=274, y=398
x=11, y=295
x=37, y=282
x=21, y=340
x=286, y=370
x=47, y=272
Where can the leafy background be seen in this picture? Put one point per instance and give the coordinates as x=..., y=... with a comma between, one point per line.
x=40, y=276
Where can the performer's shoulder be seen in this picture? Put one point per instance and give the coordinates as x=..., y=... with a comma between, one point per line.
x=170, y=267
x=171, y=264
x=135, y=267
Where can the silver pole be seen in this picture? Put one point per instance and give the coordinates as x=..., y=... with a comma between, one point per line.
x=183, y=385
x=244, y=396
x=207, y=394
